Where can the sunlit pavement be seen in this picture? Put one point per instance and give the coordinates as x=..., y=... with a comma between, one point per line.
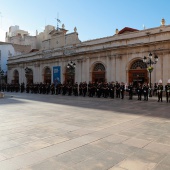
x=49, y=132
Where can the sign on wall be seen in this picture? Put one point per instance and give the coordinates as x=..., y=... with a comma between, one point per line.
x=56, y=74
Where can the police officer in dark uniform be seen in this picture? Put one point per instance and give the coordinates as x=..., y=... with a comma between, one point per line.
x=130, y=89
x=145, y=91
x=22, y=87
x=75, y=89
x=93, y=89
x=139, y=91
x=56, y=89
x=122, y=90
x=43, y=88
x=27, y=88
x=40, y=88
x=98, y=90
x=52, y=88
x=112, y=90
x=160, y=90
x=90, y=89
x=117, y=90
x=155, y=89
x=105, y=90
x=80, y=88
x=64, y=88
x=167, y=90
x=69, y=88
x=84, y=89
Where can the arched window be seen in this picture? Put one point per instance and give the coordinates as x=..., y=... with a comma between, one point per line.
x=47, y=75
x=99, y=67
x=139, y=64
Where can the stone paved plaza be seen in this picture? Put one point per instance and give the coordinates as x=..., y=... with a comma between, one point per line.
x=45, y=132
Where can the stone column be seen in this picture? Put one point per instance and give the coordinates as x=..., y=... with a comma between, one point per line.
x=9, y=75
x=165, y=69
x=108, y=69
x=37, y=73
x=21, y=76
x=79, y=70
x=113, y=68
x=63, y=70
x=87, y=72
x=83, y=70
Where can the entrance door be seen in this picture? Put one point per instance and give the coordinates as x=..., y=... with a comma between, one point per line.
x=138, y=76
x=138, y=72
x=98, y=77
x=98, y=74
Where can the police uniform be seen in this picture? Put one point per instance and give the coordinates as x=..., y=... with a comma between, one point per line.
x=84, y=88
x=155, y=89
x=52, y=88
x=167, y=90
x=122, y=90
x=117, y=90
x=145, y=92
x=75, y=89
x=89, y=89
x=98, y=90
x=130, y=89
x=80, y=89
x=139, y=92
x=112, y=90
x=160, y=90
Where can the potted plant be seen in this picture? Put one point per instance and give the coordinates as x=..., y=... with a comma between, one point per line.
x=150, y=68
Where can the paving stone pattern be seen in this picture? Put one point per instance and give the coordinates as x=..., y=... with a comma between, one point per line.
x=49, y=132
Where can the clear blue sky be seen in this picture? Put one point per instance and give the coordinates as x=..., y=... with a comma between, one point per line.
x=93, y=18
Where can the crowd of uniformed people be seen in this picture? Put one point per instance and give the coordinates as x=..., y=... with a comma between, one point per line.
x=92, y=89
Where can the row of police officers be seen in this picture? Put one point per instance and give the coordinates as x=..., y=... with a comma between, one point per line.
x=112, y=90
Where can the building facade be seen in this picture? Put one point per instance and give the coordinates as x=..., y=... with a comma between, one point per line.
x=115, y=58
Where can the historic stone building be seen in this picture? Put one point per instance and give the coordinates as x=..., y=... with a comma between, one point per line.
x=64, y=57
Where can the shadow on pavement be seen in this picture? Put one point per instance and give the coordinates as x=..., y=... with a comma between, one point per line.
x=125, y=106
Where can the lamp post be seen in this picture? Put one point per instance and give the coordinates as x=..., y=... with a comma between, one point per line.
x=148, y=60
x=71, y=71
x=71, y=65
x=27, y=71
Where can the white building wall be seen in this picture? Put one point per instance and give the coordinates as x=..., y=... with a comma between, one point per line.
x=5, y=50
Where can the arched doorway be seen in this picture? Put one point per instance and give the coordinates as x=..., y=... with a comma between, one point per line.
x=29, y=76
x=47, y=75
x=138, y=72
x=70, y=75
x=15, y=76
x=98, y=74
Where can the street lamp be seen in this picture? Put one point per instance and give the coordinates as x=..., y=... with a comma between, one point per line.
x=27, y=70
x=148, y=60
x=70, y=75
x=71, y=65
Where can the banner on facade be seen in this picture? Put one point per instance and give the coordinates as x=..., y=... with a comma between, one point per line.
x=56, y=74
